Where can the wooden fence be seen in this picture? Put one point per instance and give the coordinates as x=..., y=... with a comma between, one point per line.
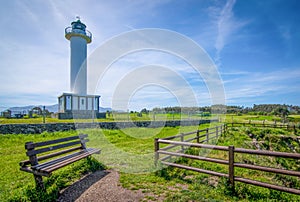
x=201, y=136
x=264, y=125
x=230, y=162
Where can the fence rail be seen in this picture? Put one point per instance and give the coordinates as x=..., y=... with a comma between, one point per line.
x=207, y=132
x=201, y=136
x=264, y=125
x=230, y=162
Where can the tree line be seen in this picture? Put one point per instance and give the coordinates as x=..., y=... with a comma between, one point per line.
x=257, y=109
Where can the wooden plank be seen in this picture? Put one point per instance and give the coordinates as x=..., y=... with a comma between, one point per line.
x=46, y=149
x=169, y=147
x=231, y=166
x=266, y=185
x=69, y=161
x=59, y=161
x=40, y=158
x=206, y=146
x=54, y=161
x=156, y=148
x=201, y=158
x=29, y=145
x=189, y=133
x=190, y=139
x=268, y=169
x=195, y=169
x=268, y=153
x=29, y=170
x=45, y=143
x=171, y=137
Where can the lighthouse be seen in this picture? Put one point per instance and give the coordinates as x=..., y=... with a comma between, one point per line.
x=79, y=37
x=77, y=103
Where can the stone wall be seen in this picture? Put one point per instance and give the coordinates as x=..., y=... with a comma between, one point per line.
x=53, y=127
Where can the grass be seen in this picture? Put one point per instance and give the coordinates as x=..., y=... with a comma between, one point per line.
x=19, y=186
x=130, y=151
x=110, y=118
x=183, y=185
x=229, y=118
x=158, y=117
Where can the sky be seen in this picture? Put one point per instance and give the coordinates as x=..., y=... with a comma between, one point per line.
x=254, y=45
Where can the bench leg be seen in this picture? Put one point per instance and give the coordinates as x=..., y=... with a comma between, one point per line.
x=39, y=182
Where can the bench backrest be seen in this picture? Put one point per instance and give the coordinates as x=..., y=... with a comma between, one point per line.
x=71, y=143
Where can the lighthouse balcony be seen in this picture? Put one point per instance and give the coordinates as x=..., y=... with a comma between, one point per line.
x=87, y=35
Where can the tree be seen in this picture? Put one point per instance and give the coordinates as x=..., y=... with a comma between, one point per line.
x=144, y=111
x=281, y=111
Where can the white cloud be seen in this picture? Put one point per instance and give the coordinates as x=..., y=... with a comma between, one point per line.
x=261, y=84
x=226, y=25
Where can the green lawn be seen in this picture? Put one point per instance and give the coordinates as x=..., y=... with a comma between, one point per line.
x=112, y=117
x=229, y=118
x=159, y=117
x=131, y=152
x=192, y=186
x=17, y=185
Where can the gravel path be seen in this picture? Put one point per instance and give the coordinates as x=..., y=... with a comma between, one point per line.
x=100, y=186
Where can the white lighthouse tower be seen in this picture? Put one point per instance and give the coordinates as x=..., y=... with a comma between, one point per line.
x=78, y=104
x=79, y=37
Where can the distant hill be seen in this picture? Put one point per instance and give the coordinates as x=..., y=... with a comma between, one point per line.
x=105, y=109
x=25, y=109
x=50, y=108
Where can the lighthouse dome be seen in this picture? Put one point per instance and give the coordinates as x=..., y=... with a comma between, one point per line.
x=78, y=29
x=78, y=26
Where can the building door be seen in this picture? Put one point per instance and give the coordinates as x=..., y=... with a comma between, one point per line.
x=82, y=103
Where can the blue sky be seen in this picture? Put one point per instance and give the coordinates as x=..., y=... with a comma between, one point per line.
x=255, y=45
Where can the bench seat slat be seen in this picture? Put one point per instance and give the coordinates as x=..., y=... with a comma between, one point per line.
x=46, y=143
x=46, y=149
x=29, y=170
x=54, y=167
x=40, y=158
x=57, y=160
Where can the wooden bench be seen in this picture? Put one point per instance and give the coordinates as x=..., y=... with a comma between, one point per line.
x=68, y=150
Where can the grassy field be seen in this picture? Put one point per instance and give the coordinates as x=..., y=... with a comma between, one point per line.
x=186, y=185
x=158, y=117
x=131, y=152
x=109, y=117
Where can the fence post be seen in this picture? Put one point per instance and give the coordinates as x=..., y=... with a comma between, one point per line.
x=156, y=148
x=217, y=131
x=221, y=129
x=207, y=135
x=198, y=136
x=231, y=166
x=182, y=140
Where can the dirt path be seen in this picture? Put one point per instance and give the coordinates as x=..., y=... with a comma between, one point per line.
x=100, y=186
